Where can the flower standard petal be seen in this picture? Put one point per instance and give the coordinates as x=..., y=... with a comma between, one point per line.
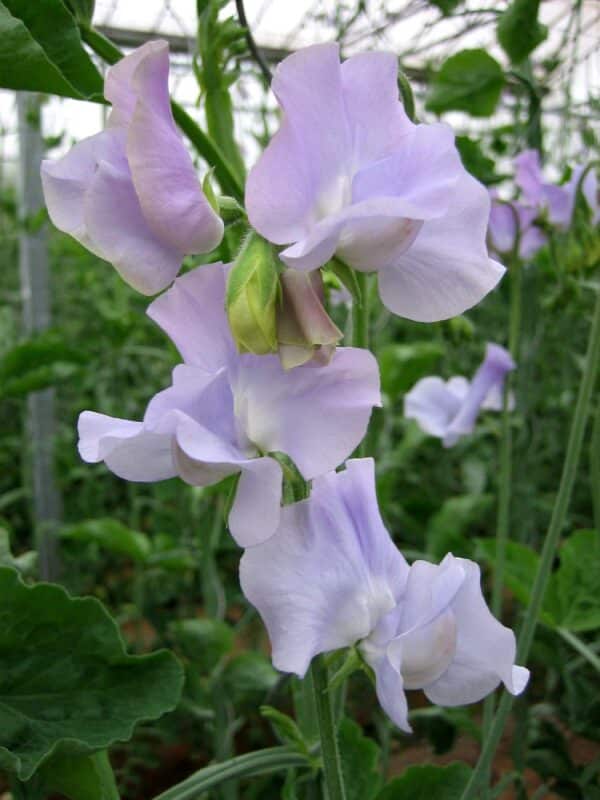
x=431, y=403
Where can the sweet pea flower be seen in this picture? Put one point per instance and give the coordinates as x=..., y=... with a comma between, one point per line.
x=449, y=409
x=556, y=201
x=507, y=220
x=348, y=174
x=331, y=577
x=130, y=194
x=225, y=412
x=589, y=188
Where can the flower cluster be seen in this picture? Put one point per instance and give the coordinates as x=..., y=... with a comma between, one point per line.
x=522, y=223
x=347, y=176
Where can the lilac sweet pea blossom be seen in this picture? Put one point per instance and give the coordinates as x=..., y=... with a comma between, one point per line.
x=507, y=220
x=225, y=412
x=348, y=174
x=130, y=194
x=449, y=409
x=331, y=577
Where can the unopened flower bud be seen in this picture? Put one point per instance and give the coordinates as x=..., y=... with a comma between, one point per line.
x=251, y=299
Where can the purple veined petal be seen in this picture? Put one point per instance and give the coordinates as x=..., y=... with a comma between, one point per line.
x=328, y=573
x=125, y=447
x=390, y=693
x=432, y=405
x=447, y=269
x=256, y=510
x=165, y=181
x=485, y=650
x=65, y=182
x=117, y=228
x=492, y=373
x=192, y=314
x=528, y=176
x=378, y=122
x=304, y=172
x=317, y=415
x=119, y=85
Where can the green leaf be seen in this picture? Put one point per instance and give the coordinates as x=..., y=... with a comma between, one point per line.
x=203, y=641
x=449, y=528
x=428, y=783
x=360, y=762
x=286, y=729
x=79, y=777
x=475, y=161
x=401, y=365
x=445, y=6
x=520, y=566
x=251, y=298
x=469, y=81
x=111, y=535
x=249, y=676
x=66, y=683
x=573, y=598
x=41, y=51
x=519, y=31
x=82, y=9
x=36, y=363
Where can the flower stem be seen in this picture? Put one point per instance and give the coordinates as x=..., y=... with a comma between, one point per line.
x=203, y=144
x=332, y=765
x=360, y=313
x=595, y=468
x=258, y=763
x=581, y=647
x=551, y=541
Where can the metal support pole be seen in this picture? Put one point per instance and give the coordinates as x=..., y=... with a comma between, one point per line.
x=35, y=293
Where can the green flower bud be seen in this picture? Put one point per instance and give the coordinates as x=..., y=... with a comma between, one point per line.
x=251, y=299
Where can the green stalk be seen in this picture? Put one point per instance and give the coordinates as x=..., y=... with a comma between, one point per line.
x=595, y=468
x=360, y=313
x=272, y=759
x=544, y=571
x=203, y=144
x=332, y=765
x=581, y=647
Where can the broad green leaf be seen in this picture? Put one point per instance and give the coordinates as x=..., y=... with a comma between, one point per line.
x=469, y=81
x=41, y=51
x=249, y=677
x=111, y=535
x=401, y=365
x=79, y=777
x=428, y=783
x=519, y=31
x=450, y=529
x=360, y=761
x=204, y=641
x=520, y=566
x=66, y=683
x=251, y=297
x=573, y=596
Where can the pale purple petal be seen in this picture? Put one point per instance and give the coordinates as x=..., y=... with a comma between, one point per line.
x=256, y=511
x=447, y=269
x=390, y=693
x=125, y=447
x=119, y=86
x=192, y=314
x=370, y=88
x=558, y=201
x=431, y=403
x=317, y=415
x=304, y=166
x=116, y=226
x=528, y=176
x=532, y=239
x=163, y=174
x=492, y=373
x=328, y=573
x=485, y=649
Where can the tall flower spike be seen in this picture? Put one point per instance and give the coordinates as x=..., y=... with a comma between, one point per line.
x=348, y=174
x=130, y=194
x=449, y=409
x=225, y=411
x=335, y=579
